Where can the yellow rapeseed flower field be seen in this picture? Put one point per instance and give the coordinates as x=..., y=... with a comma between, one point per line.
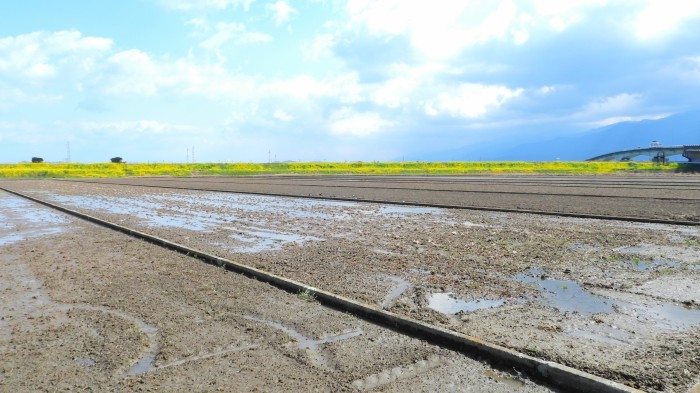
x=73, y=170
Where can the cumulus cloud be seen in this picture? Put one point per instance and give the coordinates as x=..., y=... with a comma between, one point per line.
x=235, y=33
x=321, y=45
x=282, y=115
x=38, y=55
x=137, y=126
x=281, y=11
x=661, y=17
x=346, y=121
x=471, y=100
x=199, y=4
x=12, y=96
x=618, y=119
x=137, y=72
x=443, y=28
x=613, y=104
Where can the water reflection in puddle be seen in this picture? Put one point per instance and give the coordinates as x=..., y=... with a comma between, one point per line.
x=508, y=380
x=568, y=296
x=651, y=265
x=401, y=287
x=158, y=212
x=21, y=219
x=446, y=303
x=406, y=210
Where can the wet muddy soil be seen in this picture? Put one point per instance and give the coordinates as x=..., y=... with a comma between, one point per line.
x=83, y=308
x=617, y=299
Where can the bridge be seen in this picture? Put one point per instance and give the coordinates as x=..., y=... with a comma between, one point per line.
x=657, y=153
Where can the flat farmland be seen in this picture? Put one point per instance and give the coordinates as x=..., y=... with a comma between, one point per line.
x=84, y=308
x=644, y=197
x=619, y=299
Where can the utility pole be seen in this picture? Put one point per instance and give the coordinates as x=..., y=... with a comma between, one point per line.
x=187, y=160
x=193, y=154
x=269, y=156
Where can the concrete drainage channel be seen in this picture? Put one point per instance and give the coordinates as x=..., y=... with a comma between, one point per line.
x=556, y=374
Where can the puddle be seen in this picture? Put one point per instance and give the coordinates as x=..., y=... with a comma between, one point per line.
x=508, y=380
x=150, y=213
x=407, y=210
x=568, y=296
x=297, y=208
x=651, y=265
x=250, y=238
x=675, y=253
x=604, y=334
x=27, y=211
x=264, y=241
x=472, y=224
x=25, y=235
x=21, y=219
x=10, y=239
x=85, y=362
x=581, y=247
x=670, y=316
x=401, y=287
x=447, y=304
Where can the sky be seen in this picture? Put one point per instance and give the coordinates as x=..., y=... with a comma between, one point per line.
x=331, y=80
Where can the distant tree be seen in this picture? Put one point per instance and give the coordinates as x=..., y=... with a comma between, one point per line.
x=116, y=160
x=37, y=159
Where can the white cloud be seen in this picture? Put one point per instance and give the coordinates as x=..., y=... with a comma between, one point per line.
x=186, y=5
x=443, y=28
x=345, y=88
x=138, y=126
x=613, y=104
x=545, y=90
x=471, y=100
x=39, y=55
x=661, y=17
x=618, y=119
x=10, y=97
x=281, y=11
x=235, y=33
x=282, y=115
x=346, y=121
x=404, y=84
x=320, y=46
x=136, y=72
x=560, y=15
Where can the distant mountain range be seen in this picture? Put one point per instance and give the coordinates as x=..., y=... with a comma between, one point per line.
x=680, y=129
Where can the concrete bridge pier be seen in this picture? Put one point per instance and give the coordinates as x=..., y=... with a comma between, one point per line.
x=692, y=153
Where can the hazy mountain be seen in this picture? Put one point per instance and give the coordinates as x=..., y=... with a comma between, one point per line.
x=681, y=129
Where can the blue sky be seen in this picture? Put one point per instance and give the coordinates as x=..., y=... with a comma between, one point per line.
x=331, y=80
